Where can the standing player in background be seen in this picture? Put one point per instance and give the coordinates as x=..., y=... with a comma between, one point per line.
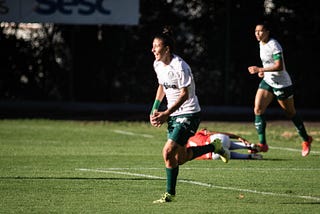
x=277, y=83
x=176, y=83
x=229, y=141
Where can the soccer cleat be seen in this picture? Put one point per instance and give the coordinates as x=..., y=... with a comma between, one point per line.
x=225, y=157
x=306, y=147
x=222, y=151
x=258, y=148
x=166, y=197
x=256, y=156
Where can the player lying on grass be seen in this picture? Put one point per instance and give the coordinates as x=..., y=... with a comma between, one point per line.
x=229, y=140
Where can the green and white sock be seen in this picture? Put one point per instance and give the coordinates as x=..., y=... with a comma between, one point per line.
x=172, y=175
x=260, y=124
x=300, y=127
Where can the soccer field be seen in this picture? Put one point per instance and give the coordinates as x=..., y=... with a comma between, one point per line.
x=50, y=166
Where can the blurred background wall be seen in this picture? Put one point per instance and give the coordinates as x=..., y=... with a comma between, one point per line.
x=105, y=70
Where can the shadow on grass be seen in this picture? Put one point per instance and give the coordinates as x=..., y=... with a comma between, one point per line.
x=302, y=203
x=273, y=159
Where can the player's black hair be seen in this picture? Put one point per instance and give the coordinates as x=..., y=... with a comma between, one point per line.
x=167, y=38
x=266, y=24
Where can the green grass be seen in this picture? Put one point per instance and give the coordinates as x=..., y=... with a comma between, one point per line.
x=116, y=167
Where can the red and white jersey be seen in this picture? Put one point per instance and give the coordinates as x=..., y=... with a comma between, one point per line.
x=204, y=137
x=201, y=138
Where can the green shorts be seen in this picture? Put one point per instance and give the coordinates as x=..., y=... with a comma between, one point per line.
x=280, y=93
x=182, y=127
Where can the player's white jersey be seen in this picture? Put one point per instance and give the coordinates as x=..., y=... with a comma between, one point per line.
x=173, y=77
x=276, y=79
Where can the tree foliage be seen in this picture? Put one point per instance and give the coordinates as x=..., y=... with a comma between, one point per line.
x=114, y=63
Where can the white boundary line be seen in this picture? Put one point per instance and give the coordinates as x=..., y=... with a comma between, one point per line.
x=202, y=184
x=217, y=169
x=132, y=134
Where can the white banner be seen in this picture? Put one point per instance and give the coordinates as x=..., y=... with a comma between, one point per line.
x=117, y=12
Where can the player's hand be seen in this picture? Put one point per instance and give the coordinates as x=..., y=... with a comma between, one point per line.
x=158, y=118
x=253, y=69
x=261, y=74
x=153, y=119
x=243, y=140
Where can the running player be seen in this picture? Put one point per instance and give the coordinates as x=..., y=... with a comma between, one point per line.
x=176, y=83
x=277, y=83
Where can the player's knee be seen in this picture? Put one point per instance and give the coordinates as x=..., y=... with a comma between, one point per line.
x=168, y=153
x=258, y=111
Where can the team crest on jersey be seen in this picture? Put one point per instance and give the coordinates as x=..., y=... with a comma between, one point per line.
x=170, y=83
x=170, y=75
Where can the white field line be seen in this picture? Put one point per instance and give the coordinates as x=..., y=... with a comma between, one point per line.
x=131, y=133
x=216, y=169
x=293, y=150
x=203, y=184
